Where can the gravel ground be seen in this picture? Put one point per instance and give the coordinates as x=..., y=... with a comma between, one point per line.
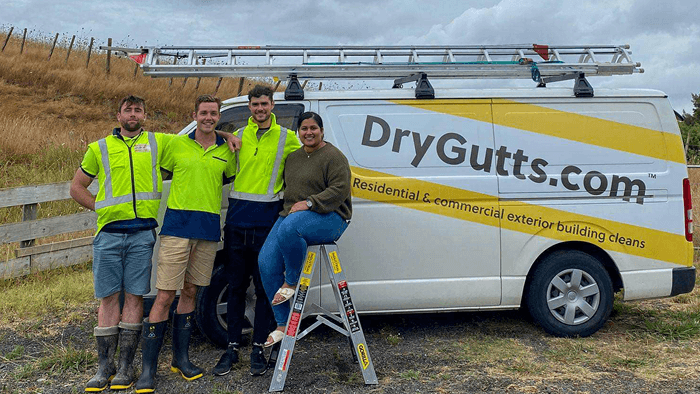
x=411, y=353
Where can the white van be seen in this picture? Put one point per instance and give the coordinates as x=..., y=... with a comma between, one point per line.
x=499, y=199
x=544, y=198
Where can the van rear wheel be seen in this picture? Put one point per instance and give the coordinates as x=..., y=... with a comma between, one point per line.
x=570, y=294
x=211, y=305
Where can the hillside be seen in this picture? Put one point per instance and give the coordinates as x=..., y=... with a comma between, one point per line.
x=51, y=109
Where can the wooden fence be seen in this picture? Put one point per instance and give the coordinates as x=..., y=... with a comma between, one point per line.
x=30, y=257
x=88, y=50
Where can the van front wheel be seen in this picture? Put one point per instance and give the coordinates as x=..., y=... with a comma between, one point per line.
x=570, y=294
x=211, y=308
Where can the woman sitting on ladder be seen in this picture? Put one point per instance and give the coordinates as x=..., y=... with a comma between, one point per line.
x=317, y=210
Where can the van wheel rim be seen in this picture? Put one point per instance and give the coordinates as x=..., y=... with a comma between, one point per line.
x=222, y=310
x=573, y=296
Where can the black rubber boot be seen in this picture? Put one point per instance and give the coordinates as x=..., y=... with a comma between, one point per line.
x=274, y=353
x=227, y=360
x=182, y=330
x=128, y=342
x=106, y=338
x=150, y=347
x=258, y=363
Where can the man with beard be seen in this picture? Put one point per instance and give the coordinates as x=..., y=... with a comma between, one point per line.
x=254, y=205
x=127, y=166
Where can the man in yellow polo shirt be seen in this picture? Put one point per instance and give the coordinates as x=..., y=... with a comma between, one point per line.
x=200, y=163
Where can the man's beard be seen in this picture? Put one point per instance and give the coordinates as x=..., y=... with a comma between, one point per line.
x=265, y=118
x=136, y=127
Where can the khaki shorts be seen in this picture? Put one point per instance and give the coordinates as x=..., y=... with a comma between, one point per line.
x=183, y=260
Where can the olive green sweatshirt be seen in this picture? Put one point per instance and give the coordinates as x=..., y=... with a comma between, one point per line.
x=322, y=176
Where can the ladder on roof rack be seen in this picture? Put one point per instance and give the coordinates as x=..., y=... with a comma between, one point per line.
x=383, y=62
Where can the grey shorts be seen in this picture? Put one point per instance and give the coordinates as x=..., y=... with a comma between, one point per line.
x=122, y=261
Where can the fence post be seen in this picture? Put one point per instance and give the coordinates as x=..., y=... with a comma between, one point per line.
x=109, y=53
x=87, y=61
x=52, y=47
x=136, y=70
x=199, y=79
x=7, y=38
x=24, y=37
x=175, y=62
x=72, y=40
x=28, y=213
x=277, y=85
x=218, y=84
x=184, y=81
x=240, y=85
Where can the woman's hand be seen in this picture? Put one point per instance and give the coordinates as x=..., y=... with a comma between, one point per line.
x=299, y=206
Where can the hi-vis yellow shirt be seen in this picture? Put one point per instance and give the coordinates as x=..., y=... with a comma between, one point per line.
x=194, y=203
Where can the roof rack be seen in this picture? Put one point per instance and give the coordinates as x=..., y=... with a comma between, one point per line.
x=402, y=63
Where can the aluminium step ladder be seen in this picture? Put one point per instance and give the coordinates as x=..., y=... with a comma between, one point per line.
x=347, y=324
x=403, y=63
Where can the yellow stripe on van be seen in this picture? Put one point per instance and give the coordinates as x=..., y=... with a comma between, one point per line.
x=560, y=124
x=519, y=216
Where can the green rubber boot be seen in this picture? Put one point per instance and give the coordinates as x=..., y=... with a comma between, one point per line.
x=106, y=338
x=128, y=342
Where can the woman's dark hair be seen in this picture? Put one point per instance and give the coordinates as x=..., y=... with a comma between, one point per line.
x=310, y=115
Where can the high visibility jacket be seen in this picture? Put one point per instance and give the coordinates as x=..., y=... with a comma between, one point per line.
x=128, y=171
x=261, y=174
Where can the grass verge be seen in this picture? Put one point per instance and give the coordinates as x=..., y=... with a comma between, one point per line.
x=57, y=360
x=47, y=293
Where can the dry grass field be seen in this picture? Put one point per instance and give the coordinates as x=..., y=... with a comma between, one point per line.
x=49, y=111
x=57, y=108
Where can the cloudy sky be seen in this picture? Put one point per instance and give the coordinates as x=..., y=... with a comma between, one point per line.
x=664, y=35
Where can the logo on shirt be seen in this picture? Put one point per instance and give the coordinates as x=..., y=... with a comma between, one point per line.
x=142, y=148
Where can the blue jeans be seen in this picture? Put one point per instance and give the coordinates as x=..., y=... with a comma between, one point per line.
x=284, y=251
